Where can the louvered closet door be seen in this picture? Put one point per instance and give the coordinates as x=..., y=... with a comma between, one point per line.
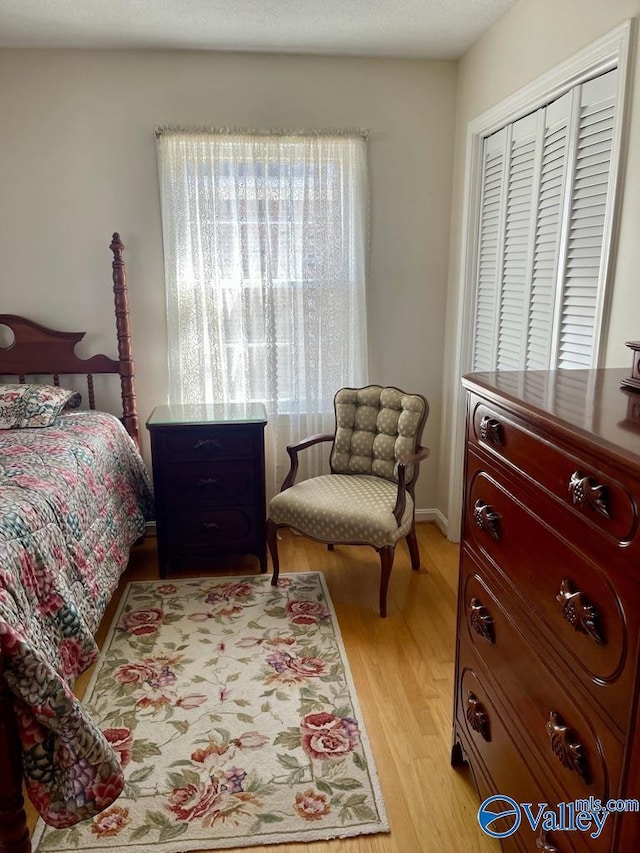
x=546, y=237
x=492, y=206
x=582, y=296
x=543, y=225
x=521, y=198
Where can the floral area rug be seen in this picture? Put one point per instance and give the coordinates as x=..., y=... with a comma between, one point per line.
x=233, y=712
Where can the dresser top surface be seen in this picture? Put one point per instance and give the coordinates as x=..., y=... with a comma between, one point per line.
x=590, y=403
x=202, y=414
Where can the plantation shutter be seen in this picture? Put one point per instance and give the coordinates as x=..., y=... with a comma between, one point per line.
x=542, y=232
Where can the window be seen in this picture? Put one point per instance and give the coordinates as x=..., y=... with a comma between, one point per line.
x=544, y=223
x=265, y=241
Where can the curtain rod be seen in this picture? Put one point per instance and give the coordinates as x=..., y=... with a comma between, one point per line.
x=250, y=131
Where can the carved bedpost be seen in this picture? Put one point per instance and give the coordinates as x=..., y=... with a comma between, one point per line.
x=14, y=834
x=127, y=368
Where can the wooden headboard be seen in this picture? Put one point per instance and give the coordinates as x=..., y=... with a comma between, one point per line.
x=37, y=350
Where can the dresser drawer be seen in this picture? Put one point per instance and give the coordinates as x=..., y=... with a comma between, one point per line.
x=209, y=483
x=486, y=728
x=209, y=527
x=596, y=497
x=586, y=760
x=571, y=602
x=205, y=443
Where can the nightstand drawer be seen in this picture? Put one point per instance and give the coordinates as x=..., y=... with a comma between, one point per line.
x=208, y=527
x=209, y=483
x=203, y=444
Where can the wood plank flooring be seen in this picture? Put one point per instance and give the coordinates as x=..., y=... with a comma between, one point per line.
x=403, y=670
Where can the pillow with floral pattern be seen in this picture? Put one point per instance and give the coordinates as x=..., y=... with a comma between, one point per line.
x=25, y=406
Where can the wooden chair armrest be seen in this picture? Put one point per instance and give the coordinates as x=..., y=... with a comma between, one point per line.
x=309, y=441
x=294, y=449
x=413, y=459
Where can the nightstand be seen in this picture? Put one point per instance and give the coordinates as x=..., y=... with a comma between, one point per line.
x=208, y=471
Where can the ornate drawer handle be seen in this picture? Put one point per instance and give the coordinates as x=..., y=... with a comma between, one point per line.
x=207, y=442
x=486, y=518
x=579, y=613
x=481, y=621
x=587, y=492
x=569, y=753
x=478, y=717
x=212, y=525
x=491, y=431
x=209, y=481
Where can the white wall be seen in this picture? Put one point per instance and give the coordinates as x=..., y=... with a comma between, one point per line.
x=532, y=38
x=78, y=161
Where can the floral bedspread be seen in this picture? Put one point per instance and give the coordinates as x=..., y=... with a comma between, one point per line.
x=74, y=497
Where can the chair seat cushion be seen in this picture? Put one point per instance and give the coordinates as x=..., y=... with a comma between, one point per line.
x=354, y=508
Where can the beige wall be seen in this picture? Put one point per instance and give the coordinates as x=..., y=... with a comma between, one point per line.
x=78, y=161
x=532, y=38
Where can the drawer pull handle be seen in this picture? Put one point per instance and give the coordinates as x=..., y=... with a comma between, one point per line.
x=578, y=612
x=544, y=845
x=481, y=621
x=486, y=519
x=477, y=717
x=586, y=492
x=212, y=525
x=491, y=431
x=208, y=481
x=568, y=751
x=207, y=442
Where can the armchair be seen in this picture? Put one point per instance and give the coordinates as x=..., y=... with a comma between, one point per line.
x=368, y=498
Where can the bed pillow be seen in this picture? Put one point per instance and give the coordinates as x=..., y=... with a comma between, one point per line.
x=23, y=406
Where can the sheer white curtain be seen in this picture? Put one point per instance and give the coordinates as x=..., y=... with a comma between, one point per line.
x=265, y=244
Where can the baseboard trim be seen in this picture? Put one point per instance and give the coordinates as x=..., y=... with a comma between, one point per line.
x=434, y=516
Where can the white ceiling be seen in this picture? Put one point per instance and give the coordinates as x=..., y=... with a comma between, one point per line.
x=436, y=29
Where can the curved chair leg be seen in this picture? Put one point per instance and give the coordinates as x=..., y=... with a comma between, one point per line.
x=414, y=550
x=272, y=542
x=386, y=564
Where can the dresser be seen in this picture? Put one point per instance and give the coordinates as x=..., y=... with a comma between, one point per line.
x=546, y=692
x=208, y=472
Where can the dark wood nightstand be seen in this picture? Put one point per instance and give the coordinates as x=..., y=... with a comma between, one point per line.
x=208, y=471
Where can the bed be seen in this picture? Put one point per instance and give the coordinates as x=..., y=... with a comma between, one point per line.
x=74, y=497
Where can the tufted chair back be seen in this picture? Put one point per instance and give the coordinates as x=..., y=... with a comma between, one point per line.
x=375, y=427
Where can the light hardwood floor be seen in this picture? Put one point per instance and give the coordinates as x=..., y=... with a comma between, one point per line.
x=403, y=670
